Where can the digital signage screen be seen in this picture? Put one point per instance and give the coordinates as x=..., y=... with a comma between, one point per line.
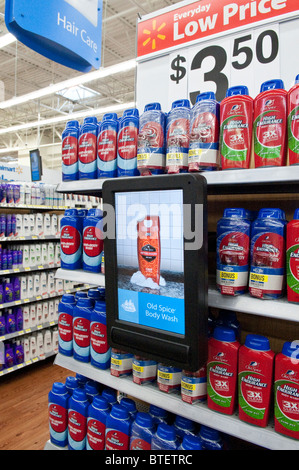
x=155, y=243
x=150, y=259
x=35, y=165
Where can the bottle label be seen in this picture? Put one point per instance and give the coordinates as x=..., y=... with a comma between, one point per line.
x=253, y=391
x=87, y=148
x=293, y=133
x=232, y=262
x=151, y=153
x=139, y=444
x=144, y=371
x=107, y=145
x=92, y=247
x=65, y=330
x=116, y=440
x=69, y=154
x=193, y=389
x=222, y=371
x=178, y=137
x=267, y=264
x=168, y=380
x=269, y=132
x=81, y=327
x=127, y=151
x=57, y=418
x=70, y=242
x=77, y=426
x=235, y=136
x=95, y=434
x=292, y=263
x=121, y=364
x=98, y=337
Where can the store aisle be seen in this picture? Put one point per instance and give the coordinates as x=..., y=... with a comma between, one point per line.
x=24, y=405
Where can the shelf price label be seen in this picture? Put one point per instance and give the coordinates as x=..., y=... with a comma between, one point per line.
x=246, y=58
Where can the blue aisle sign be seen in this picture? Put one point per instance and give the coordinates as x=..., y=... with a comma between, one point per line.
x=66, y=31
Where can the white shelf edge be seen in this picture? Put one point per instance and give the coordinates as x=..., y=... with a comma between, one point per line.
x=50, y=446
x=245, y=303
x=96, y=279
x=277, y=309
x=199, y=412
x=80, y=185
x=249, y=176
x=27, y=363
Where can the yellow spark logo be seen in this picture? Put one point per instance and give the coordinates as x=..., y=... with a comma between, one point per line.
x=19, y=170
x=154, y=34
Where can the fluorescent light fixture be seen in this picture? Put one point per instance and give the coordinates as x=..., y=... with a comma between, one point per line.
x=68, y=117
x=17, y=149
x=80, y=80
x=7, y=39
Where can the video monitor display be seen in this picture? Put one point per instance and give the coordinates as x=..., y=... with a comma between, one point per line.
x=35, y=165
x=155, y=243
x=150, y=259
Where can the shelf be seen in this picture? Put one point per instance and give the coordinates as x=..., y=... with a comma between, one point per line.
x=276, y=309
x=219, y=182
x=81, y=186
x=26, y=363
x=33, y=206
x=26, y=331
x=97, y=279
x=29, y=238
x=37, y=298
x=198, y=412
x=50, y=446
x=27, y=269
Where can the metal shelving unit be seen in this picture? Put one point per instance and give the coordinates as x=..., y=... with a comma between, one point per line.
x=254, y=181
x=199, y=412
x=96, y=279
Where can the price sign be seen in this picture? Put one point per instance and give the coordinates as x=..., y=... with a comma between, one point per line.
x=249, y=54
x=246, y=58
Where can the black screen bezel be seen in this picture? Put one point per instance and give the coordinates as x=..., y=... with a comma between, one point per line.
x=188, y=351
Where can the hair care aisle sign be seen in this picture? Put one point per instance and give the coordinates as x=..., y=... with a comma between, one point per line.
x=205, y=45
x=66, y=31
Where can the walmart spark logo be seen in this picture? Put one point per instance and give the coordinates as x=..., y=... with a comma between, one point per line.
x=154, y=34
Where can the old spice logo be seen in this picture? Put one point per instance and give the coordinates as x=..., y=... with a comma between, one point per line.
x=289, y=373
x=154, y=35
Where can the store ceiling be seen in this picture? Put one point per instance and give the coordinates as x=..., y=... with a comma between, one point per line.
x=23, y=71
